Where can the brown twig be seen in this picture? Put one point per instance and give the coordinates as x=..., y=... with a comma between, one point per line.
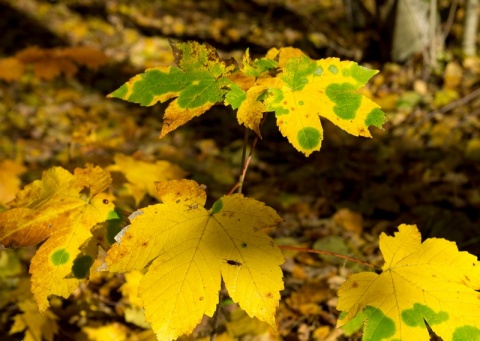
x=213, y=334
x=449, y=23
x=450, y=106
x=328, y=253
x=246, y=162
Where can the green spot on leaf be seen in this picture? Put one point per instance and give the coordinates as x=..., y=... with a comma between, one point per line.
x=333, y=69
x=318, y=71
x=217, y=207
x=281, y=111
x=155, y=82
x=415, y=317
x=81, y=266
x=296, y=72
x=309, y=138
x=353, y=325
x=347, y=101
x=113, y=214
x=377, y=325
x=114, y=224
x=361, y=74
x=235, y=96
x=60, y=257
x=469, y=333
x=376, y=118
x=301, y=103
x=275, y=100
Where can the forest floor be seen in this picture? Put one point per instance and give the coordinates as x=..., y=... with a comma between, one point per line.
x=423, y=168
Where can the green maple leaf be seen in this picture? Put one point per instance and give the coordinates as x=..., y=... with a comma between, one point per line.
x=199, y=81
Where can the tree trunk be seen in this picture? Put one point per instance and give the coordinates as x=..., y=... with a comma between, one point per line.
x=470, y=29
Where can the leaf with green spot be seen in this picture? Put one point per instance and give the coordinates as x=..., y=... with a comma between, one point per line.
x=188, y=250
x=421, y=283
x=61, y=208
x=235, y=96
x=257, y=67
x=200, y=81
x=328, y=88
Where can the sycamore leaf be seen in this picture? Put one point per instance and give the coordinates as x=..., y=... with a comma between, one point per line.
x=199, y=81
x=142, y=175
x=188, y=249
x=62, y=207
x=430, y=282
x=326, y=87
x=35, y=325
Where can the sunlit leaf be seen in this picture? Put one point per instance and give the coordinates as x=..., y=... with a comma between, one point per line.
x=421, y=283
x=199, y=81
x=142, y=175
x=188, y=249
x=326, y=87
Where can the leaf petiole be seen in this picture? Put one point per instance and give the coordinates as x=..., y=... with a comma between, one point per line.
x=328, y=253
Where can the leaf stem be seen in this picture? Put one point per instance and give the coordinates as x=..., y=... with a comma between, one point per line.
x=213, y=334
x=246, y=162
x=328, y=253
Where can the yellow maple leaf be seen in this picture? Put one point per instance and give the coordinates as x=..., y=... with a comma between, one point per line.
x=36, y=326
x=428, y=282
x=62, y=207
x=188, y=249
x=326, y=87
x=142, y=175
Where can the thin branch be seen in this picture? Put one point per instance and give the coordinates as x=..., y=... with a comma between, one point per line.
x=328, y=253
x=246, y=163
x=449, y=23
x=245, y=144
x=450, y=106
